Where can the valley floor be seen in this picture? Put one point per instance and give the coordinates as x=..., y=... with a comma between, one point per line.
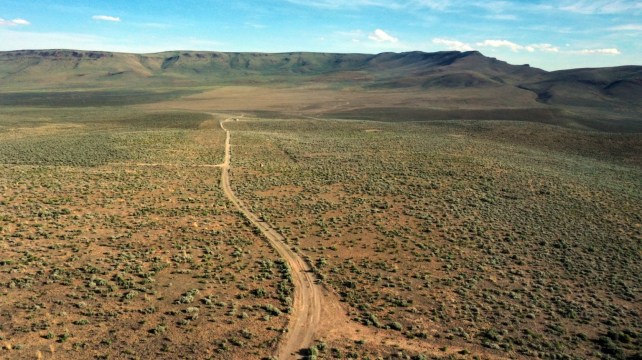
x=122, y=235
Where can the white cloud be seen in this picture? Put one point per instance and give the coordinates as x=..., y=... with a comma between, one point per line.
x=517, y=47
x=549, y=48
x=14, y=22
x=627, y=27
x=601, y=6
x=542, y=47
x=608, y=51
x=501, y=43
x=106, y=18
x=21, y=22
x=452, y=44
x=382, y=36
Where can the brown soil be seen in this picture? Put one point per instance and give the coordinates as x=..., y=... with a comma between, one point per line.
x=317, y=313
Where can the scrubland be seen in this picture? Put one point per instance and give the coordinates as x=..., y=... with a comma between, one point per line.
x=441, y=239
x=117, y=242
x=452, y=233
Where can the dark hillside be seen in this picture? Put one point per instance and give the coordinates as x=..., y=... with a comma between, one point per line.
x=63, y=68
x=447, y=83
x=610, y=87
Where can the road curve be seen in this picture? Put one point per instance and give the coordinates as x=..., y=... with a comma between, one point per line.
x=308, y=296
x=317, y=313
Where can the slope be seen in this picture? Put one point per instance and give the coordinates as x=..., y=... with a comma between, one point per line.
x=422, y=86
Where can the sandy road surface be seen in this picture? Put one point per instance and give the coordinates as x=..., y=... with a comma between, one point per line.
x=308, y=296
x=317, y=312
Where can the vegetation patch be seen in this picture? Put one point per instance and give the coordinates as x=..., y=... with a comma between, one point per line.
x=446, y=233
x=88, y=98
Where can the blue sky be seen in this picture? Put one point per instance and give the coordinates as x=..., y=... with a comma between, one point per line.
x=544, y=33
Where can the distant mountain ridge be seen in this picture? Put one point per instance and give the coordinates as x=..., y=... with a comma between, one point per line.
x=447, y=68
x=22, y=64
x=610, y=89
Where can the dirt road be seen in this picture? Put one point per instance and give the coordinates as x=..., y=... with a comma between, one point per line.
x=316, y=312
x=308, y=296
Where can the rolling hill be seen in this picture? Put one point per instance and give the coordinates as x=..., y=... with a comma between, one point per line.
x=441, y=83
x=65, y=68
x=241, y=206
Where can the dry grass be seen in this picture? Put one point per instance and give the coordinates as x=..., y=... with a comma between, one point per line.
x=496, y=239
x=442, y=233
x=104, y=260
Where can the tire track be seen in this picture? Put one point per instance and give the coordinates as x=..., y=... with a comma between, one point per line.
x=308, y=296
x=316, y=312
